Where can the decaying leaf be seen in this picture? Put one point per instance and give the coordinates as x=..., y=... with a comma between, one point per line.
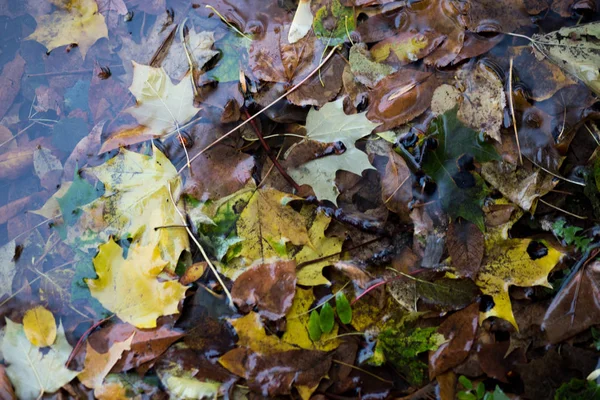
x=396, y=186
x=98, y=365
x=39, y=326
x=465, y=245
x=130, y=287
x=520, y=262
x=76, y=21
x=31, y=371
x=575, y=49
x=330, y=124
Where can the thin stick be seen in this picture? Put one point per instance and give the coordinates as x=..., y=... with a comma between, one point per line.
x=512, y=109
x=227, y=22
x=561, y=210
x=84, y=336
x=263, y=110
x=361, y=370
x=210, y=264
x=81, y=71
x=273, y=159
x=554, y=174
x=17, y=134
x=398, y=188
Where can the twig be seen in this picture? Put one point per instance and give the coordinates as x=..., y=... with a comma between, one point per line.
x=546, y=170
x=80, y=71
x=263, y=110
x=229, y=24
x=210, y=264
x=84, y=336
x=561, y=210
x=273, y=159
x=361, y=370
x=512, y=109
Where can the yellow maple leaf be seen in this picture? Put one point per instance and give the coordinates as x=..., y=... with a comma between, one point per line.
x=320, y=246
x=161, y=106
x=98, y=365
x=75, y=21
x=130, y=288
x=268, y=223
x=39, y=326
x=251, y=334
x=507, y=263
x=137, y=203
x=297, y=325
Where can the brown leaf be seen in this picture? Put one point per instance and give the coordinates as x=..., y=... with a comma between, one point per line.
x=321, y=88
x=15, y=163
x=476, y=45
x=193, y=273
x=147, y=344
x=15, y=207
x=400, y=97
x=465, y=246
x=396, y=186
x=269, y=287
x=406, y=47
x=10, y=83
x=85, y=152
x=459, y=329
x=495, y=361
x=576, y=307
x=6, y=390
x=497, y=16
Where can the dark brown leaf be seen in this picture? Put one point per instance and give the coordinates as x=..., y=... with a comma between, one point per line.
x=496, y=362
x=465, y=246
x=269, y=287
x=396, y=186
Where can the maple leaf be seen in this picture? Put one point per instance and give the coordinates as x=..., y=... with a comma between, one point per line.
x=98, y=365
x=136, y=202
x=31, y=371
x=267, y=223
x=39, y=326
x=162, y=107
x=320, y=246
x=130, y=288
x=77, y=21
x=460, y=191
x=513, y=262
x=330, y=124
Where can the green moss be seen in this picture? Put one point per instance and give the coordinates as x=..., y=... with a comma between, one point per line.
x=334, y=13
x=577, y=389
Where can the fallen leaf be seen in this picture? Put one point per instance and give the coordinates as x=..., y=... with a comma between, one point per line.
x=113, y=11
x=162, y=107
x=406, y=47
x=77, y=21
x=136, y=201
x=298, y=325
x=7, y=267
x=39, y=326
x=32, y=372
x=396, y=186
x=459, y=331
x=6, y=390
x=267, y=286
x=330, y=124
x=130, y=287
x=400, y=97
x=320, y=88
x=465, y=246
x=319, y=246
x=267, y=223
x=366, y=70
x=47, y=167
x=499, y=17
x=576, y=306
x=302, y=22
x=575, y=49
x=182, y=384
x=10, y=83
x=510, y=262
x=13, y=164
x=497, y=363
x=98, y=365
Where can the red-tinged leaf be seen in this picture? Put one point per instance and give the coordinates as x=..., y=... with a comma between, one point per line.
x=465, y=246
x=10, y=83
x=400, y=97
x=269, y=287
x=459, y=330
x=576, y=307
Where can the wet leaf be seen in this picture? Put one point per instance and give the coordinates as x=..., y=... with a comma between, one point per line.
x=302, y=22
x=513, y=262
x=98, y=365
x=576, y=307
x=182, y=384
x=396, y=186
x=343, y=309
x=39, y=326
x=326, y=318
x=320, y=246
x=465, y=245
x=330, y=124
x=269, y=287
x=31, y=371
x=366, y=70
x=575, y=49
x=10, y=83
x=130, y=287
x=6, y=390
x=333, y=22
x=406, y=47
x=459, y=331
x=303, y=329
x=460, y=191
x=7, y=267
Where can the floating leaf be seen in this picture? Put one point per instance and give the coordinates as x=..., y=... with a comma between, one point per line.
x=130, y=287
x=39, y=326
x=343, y=309
x=327, y=125
x=76, y=21
x=31, y=371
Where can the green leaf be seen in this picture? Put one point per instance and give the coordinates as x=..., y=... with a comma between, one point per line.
x=466, y=396
x=342, y=306
x=461, y=192
x=575, y=389
x=480, y=390
x=499, y=394
x=344, y=22
x=326, y=318
x=466, y=382
x=232, y=47
x=314, y=329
